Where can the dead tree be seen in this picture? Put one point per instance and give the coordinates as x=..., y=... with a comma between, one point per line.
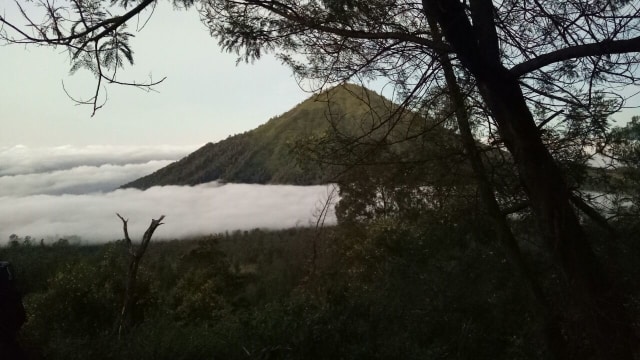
x=126, y=319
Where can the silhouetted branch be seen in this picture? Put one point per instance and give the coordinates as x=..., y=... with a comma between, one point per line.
x=94, y=41
x=606, y=47
x=125, y=319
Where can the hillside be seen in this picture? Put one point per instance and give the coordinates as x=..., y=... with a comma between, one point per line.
x=265, y=154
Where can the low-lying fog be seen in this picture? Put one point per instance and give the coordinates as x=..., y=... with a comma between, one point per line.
x=65, y=191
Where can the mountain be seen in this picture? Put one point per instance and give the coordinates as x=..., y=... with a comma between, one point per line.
x=265, y=154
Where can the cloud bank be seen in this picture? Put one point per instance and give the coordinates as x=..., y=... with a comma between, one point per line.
x=199, y=210
x=78, y=180
x=21, y=160
x=68, y=191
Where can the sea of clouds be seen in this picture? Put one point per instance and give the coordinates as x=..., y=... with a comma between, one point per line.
x=69, y=191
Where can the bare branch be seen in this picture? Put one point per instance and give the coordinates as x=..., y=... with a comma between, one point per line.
x=125, y=230
x=578, y=51
x=146, y=238
x=125, y=319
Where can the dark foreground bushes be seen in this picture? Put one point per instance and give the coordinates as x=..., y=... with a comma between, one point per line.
x=387, y=291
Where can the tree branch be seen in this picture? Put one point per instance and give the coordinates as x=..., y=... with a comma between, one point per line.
x=109, y=25
x=593, y=214
x=355, y=34
x=146, y=238
x=579, y=51
x=125, y=319
x=127, y=239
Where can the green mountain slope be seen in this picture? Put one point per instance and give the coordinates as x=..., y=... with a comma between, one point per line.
x=264, y=155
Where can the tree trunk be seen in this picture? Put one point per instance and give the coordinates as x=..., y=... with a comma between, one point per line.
x=600, y=309
x=126, y=314
x=598, y=306
x=125, y=320
x=556, y=343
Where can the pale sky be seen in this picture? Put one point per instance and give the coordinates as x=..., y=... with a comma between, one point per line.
x=205, y=97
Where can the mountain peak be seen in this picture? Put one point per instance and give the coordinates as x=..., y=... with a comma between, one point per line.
x=264, y=154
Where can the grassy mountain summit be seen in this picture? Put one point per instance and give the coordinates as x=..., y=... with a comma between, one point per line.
x=265, y=154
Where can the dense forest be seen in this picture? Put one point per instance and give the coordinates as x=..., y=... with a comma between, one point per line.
x=395, y=289
x=418, y=266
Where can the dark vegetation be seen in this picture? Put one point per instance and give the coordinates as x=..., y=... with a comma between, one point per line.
x=445, y=248
x=416, y=268
x=396, y=289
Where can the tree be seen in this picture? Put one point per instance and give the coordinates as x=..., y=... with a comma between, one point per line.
x=623, y=182
x=528, y=62
x=125, y=318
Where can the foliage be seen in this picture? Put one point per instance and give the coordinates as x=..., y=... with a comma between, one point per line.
x=626, y=143
x=412, y=288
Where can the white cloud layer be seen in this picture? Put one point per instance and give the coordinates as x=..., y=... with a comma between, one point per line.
x=198, y=210
x=68, y=191
x=21, y=160
x=78, y=180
